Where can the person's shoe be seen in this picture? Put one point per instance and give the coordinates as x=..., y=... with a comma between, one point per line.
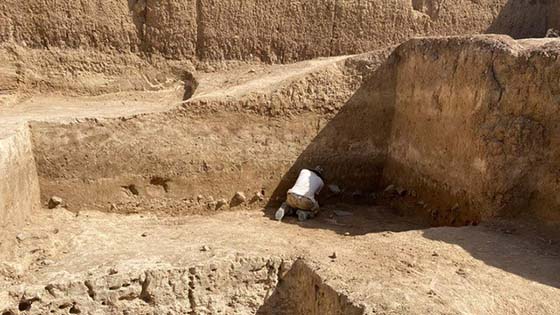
x=281, y=212
x=303, y=215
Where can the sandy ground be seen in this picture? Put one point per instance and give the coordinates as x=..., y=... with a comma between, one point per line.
x=382, y=260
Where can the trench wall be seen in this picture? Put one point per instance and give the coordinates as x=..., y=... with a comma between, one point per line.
x=302, y=291
x=170, y=159
x=274, y=31
x=474, y=132
x=212, y=147
x=19, y=186
x=554, y=15
x=352, y=145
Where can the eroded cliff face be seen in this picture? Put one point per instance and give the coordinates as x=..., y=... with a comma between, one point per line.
x=277, y=31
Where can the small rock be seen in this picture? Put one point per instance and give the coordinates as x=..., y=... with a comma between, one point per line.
x=238, y=199
x=390, y=188
x=401, y=191
x=259, y=195
x=341, y=213
x=550, y=33
x=113, y=271
x=21, y=237
x=75, y=309
x=199, y=198
x=435, y=254
x=386, y=233
x=221, y=203
x=212, y=205
x=357, y=194
x=204, y=248
x=334, y=189
x=132, y=189
x=55, y=202
x=252, y=71
x=114, y=207
x=347, y=234
x=508, y=231
x=333, y=256
x=213, y=267
x=144, y=234
x=47, y=262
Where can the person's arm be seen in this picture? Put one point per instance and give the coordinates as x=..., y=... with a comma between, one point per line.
x=320, y=187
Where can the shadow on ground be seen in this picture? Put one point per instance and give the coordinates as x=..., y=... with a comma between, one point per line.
x=352, y=146
x=530, y=256
x=353, y=219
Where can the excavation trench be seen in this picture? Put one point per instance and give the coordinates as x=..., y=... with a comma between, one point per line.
x=365, y=133
x=241, y=286
x=384, y=129
x=178, y=164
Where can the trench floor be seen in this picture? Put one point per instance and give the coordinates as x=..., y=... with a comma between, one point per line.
x=383, y=260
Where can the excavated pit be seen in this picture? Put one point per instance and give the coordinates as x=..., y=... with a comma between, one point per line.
x=383, y=137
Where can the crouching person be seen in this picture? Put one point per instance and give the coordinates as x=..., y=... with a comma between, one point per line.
x=301, y=198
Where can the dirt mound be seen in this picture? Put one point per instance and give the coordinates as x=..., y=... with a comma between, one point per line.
x=270, y=286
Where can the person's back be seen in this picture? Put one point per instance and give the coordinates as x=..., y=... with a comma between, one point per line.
x=301, y=197
x=307, y=184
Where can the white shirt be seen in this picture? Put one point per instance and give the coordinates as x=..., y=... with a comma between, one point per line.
x=308, y=184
